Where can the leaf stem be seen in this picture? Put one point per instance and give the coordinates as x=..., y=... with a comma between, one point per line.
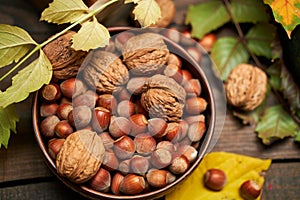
x=40, y=46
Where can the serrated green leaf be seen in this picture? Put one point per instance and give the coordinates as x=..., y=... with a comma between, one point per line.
x=227, y=53
x=8, y=118
x=260, y=38
x=246, y=11
x=91, y=36
x=62, y=11
x=28, y=80
x=275, y=124
x=205, y=17
x=14, y=44
x=274, y=72
x=147, y=12
x=291, y=91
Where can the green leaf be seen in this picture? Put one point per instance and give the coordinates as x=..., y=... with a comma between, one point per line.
x=206, y=17
x=8, y=118
x=91, y=36
x=275, y=124
x=14, y=44
x=147, y=12
x=227, y=53
x=28, y=80
x=246, y=11
x=297, y=138
x=274, y=72
x=260, y=38
x=291, y=91
x=62, y=11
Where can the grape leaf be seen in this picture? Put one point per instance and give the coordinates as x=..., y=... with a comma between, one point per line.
x=8, y=118
x=205, y=17
x=91, y=36
x=227, y=53
x=62, y=11
x=29, y=79
x=238, y=169
x=14, y=44
x=274, y=72
x=291, y=91
x=147, y=12
x=246, y=11
x=275, y=124
x=260, y=38
x=286, y=13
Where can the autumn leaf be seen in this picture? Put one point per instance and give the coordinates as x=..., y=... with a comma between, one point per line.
x=276, y=124
x=227, y=53
x=286, y=13
x=28, y=80
x=62, y=11
x=8, y=118
x=245, y=168
x=147, y=12
x=91, y=36
x=14, y=44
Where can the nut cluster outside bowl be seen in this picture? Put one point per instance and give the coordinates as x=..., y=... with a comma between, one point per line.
x=210, y=121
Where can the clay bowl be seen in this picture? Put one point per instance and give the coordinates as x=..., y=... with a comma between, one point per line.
x=210, y=115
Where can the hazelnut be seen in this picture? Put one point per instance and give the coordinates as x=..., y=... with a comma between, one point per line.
x=186, y=38
x=167, y=145
x=100, y=119
x=192, y=87
x=208, y=41
x=63, y=129
x=139, y=124
x=51, y=92
x=123, y=94
x=174, y=59
x=196, y=131
x=124, y=166
x=107, y=140
x=145, y=144
x=110, y=161
x=107, y=101
x=173, y=71
x=189, y=152
x=159, y=178
x=139, y=165
x=124, y=147
x=194, y=118
x=54, y=145
x=63, y=110
x=125, y=108
x=250, y=190
x=115, y=183
x=186, y=76
x=119, y=126
x=47, y=109
x=132, y=184
x=101, y=181
x=215, y=179
x=161, y=158
x=157, y=127
x=89, y=99
x=72, y=87
x=80, y=117
x=48, y=125
x=179, y=165
x=195, y=105
x=173, y=132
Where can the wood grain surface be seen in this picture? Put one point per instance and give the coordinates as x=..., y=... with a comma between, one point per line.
x=24, y=174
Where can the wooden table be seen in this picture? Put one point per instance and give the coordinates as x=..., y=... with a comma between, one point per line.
x=24, y=174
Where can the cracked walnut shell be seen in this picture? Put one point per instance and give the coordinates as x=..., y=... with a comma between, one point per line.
x=145, y=54
x=246, y=87
x=163, y=97
x=65, y=60
x=104, y=71
x=81, y=156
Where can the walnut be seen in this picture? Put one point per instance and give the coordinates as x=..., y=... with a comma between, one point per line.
x=80, y=156
x=145, y=54
x=163, y=97
x=65, y=60
x=104, y=71
x=246, y=87
x=168, y=10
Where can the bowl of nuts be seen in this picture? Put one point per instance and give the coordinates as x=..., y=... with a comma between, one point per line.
x=127, y=121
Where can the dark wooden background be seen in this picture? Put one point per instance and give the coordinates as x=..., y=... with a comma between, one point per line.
x=24, y=174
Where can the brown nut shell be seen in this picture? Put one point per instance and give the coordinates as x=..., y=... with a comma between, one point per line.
x=80, y=157
x=104, y=71
x=145, y=54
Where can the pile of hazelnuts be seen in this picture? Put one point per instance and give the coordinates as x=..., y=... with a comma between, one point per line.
x=142, y=153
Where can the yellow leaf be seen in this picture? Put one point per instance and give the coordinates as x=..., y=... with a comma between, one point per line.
x=238, y=169
x=286, y=12
x=147, y=12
